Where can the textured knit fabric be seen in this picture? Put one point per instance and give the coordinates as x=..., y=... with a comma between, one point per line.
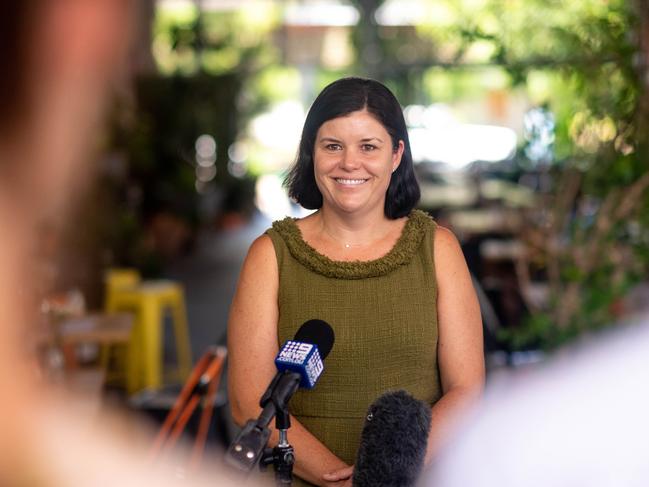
x=384, y=317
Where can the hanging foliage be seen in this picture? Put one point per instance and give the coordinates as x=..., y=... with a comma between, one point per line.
x=588, y=233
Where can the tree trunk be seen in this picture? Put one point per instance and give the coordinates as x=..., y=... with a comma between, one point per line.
x=141, y=56
x=368, y=43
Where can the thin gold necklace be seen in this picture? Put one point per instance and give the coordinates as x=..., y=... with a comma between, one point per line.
x=349, y=246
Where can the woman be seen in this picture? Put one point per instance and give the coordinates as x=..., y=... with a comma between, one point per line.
x=392, y=284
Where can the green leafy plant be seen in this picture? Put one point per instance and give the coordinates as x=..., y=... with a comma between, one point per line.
x=588, y=232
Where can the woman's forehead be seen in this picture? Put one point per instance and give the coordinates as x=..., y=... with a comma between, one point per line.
x=361, y=124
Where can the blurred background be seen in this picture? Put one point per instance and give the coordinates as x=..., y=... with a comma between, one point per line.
x=529, y=125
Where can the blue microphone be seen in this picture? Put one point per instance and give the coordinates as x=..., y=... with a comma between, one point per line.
x=299, y=364
x=304, y=354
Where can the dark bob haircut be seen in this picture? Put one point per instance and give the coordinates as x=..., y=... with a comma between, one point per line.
x=341, y=98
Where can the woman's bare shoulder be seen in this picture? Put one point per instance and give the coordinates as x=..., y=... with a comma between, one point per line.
x=261, y=250
x=258, y=283
x=262, y=244
x=448, y=255
x=445, y=240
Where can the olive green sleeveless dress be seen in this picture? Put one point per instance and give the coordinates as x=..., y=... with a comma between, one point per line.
x=384, y=317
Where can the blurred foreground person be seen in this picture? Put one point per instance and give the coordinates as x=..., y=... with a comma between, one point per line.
x=578, y=421
x=62, y=58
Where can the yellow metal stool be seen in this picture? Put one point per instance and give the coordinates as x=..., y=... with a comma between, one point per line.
x=149, y=300
x=120, y=279
x=117, y=279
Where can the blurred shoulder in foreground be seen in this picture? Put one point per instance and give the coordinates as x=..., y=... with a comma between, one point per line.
x=65, y=58
x=581, y=419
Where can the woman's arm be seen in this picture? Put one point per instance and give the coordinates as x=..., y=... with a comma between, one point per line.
x=460, y=352
x=252, y=347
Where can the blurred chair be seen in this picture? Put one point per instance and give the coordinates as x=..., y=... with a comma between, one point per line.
x=199, y=389
x=149, y=300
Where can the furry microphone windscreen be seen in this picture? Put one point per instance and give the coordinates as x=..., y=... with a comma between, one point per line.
x=393, y=442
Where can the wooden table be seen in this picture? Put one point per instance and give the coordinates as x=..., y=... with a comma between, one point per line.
x=94, y=328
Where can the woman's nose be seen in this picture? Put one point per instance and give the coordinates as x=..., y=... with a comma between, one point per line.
x=349, y=160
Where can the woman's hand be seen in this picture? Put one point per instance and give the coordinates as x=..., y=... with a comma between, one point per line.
x=339, y=478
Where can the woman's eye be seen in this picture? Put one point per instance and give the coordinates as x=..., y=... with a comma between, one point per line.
x=333, y=147
x=368, y=147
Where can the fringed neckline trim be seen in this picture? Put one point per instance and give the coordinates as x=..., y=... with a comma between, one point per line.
x=402, y=252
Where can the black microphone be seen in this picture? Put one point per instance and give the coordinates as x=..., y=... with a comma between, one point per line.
x=299, y=364
x=393, y=442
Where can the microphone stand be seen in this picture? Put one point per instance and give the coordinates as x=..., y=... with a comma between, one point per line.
x=282, y=457
x=248, y=448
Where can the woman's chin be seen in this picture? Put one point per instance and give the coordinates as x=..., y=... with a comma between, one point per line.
x=355, y=206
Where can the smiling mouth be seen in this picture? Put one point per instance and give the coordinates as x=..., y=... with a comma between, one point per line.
x=350, y=182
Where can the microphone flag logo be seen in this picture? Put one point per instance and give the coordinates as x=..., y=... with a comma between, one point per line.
x=295, y=352
x=303, y=358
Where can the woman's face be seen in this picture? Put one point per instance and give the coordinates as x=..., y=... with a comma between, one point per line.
x=353, y=162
